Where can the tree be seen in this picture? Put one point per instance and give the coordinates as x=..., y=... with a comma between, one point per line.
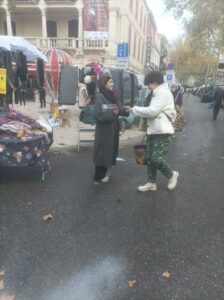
x=204, y=22
x=191, y=62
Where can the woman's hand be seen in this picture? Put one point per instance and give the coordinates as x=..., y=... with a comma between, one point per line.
x=115, y=112
x=128, y=109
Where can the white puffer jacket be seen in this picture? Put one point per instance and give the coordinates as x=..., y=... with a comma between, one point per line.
x=160, y=112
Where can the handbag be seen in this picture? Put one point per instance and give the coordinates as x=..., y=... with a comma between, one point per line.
x=140, y=153
x=180, y=122
x=87, y=114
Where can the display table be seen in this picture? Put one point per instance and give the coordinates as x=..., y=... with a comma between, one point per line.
x=25, y=152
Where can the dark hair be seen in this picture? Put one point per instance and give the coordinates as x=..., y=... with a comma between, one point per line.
x=153, y=77
x=104, y=78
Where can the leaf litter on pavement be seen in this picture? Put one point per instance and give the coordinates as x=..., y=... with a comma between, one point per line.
x=47, y=217
x=132, y=283
x=2, y=287
x=166, y=275
x=7, y=297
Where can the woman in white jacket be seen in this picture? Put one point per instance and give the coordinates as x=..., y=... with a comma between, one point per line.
x=160, y=114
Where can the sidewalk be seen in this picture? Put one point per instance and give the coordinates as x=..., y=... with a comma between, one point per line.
x=67, y=137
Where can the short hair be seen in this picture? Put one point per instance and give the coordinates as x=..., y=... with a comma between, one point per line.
x=153, y=77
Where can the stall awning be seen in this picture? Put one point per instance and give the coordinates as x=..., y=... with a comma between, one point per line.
x=16, y=43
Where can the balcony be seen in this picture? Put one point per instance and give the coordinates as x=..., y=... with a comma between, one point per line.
x=60, y=1
x=26, y=1
x=68, y=43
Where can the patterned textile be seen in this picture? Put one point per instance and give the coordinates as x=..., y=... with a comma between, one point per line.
x=157, y=146
x=24, y=152
x=180, y=122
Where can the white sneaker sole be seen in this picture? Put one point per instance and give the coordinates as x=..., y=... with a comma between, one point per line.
x=173, y=187
x=146, y=190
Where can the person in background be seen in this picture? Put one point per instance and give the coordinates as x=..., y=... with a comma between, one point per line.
x=83, y=97
x=42, y=96
x=218, y=98
x=177, y=95
x=107, y=110
x=160, y=113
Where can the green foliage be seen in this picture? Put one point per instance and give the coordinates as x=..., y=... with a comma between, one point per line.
x=190, y=61
x=204, y=24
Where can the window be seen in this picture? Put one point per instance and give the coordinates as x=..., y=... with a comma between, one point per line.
x=136, y=12
x=141, y=19
x=134, y=54
x=129, y=40
x=51, y=28
x=139, y=48
x=13, y=28
x=131, y=5
x=73, y=26
x=143, y=54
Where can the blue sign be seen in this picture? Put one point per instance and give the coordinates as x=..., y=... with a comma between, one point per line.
x=122, y=50
x=169, y=77
x=170, y=66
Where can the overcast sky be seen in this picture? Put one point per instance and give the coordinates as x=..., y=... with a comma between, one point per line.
x=166, y=24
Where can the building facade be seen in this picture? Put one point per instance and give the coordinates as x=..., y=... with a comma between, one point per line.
x=65, y=24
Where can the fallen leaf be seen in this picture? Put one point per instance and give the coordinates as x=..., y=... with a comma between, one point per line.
x=166, y=274
x=2, y=287
x=47, y=218
x=2, y=273
x=4, y=297
x=132, y=283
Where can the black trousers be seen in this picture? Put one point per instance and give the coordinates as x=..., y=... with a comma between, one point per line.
x=100, y=173
x=217, y=106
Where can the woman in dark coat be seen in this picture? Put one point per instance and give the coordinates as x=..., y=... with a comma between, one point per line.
x=107, y=110
x=177, y=96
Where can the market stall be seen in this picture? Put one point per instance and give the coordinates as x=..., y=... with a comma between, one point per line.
x=24, y=141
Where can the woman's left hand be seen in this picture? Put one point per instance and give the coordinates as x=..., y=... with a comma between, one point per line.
x=128, y=109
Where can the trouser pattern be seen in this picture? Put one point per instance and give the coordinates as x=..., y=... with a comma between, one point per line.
x=157, y=147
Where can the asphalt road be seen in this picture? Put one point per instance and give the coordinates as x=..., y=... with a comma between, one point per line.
x=100, y=238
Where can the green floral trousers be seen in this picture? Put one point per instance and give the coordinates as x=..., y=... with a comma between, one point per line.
x=157, y=147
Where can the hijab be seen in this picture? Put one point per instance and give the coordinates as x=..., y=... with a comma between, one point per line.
x=104, y=78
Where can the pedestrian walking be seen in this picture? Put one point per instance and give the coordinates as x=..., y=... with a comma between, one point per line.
x=218, y=98
x=107, y=110
x=42, y=96
x=177, y=95
x=160, y=113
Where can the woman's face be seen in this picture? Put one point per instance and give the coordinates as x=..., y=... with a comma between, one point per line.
x=110, y=85
x=173, y=88
x=152, y=86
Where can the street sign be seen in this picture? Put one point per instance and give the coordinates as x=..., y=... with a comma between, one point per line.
x=169, y=77
x=122, y=62
x=122, y=50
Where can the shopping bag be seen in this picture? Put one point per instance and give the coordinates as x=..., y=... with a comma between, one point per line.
x=140, y=153
x=180, y=122
x=87, y=114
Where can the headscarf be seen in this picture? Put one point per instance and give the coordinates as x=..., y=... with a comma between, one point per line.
x=104, y=78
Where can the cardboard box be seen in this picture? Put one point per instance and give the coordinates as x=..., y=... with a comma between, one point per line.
x=53, y=108
x=65, y=123
x=64, y=114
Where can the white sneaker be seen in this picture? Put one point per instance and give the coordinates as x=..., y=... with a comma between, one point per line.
x=147, y=187
x=106, y=178
x=173, y=181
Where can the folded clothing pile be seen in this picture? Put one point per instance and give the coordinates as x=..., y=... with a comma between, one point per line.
x=13, y=122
